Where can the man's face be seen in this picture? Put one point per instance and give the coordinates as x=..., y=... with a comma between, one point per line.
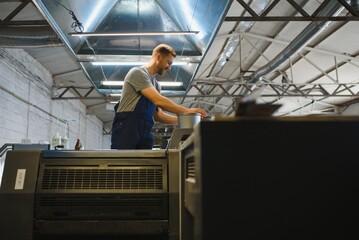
x=164, y=64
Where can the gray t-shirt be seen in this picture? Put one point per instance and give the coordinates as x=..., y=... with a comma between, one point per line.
x=135, y=80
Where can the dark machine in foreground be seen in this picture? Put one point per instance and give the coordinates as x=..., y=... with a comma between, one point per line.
x=271, y=178
x=236, y=178
x=48, y=194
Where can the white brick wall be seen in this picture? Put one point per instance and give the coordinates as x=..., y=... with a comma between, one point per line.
x=27, y=111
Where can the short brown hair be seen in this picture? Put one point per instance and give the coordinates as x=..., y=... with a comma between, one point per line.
x=164, y=49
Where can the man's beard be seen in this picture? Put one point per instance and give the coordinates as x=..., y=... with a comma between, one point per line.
x=160, y=71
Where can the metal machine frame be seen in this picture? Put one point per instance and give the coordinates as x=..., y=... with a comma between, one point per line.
x=90, y=193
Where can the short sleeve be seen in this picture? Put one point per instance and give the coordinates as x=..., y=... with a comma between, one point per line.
x=138, y=79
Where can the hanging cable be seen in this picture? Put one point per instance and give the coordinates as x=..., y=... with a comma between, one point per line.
x=94, y=54
x=76, y=25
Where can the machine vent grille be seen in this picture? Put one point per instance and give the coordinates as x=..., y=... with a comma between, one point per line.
x=191, y=170
x=101, y=201
x=94, y=178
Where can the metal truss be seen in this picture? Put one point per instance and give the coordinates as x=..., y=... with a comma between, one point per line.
x=304, y=16
x=235, y=89
x=58, y=93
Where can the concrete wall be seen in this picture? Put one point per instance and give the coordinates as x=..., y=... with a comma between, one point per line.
x=27, y=111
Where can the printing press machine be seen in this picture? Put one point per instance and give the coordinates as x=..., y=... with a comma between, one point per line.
x=275, y=178
x=92, y=194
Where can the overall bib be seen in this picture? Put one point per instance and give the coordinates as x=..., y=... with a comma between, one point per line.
x=132, y=130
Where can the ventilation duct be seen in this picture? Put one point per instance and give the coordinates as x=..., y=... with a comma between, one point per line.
x=28, y=37
x=233, y=41
x=313, y=29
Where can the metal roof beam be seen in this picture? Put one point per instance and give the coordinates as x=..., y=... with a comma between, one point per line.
x=304, y=15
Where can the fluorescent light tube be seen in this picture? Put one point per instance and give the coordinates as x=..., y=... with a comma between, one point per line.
x=114, y=34
x=104, y=63
x=170, y=84
x=163, y=84
x=112, y=83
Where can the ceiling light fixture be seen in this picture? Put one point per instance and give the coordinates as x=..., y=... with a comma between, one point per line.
x=105, y=63
x=163, y=84
x=115, y=34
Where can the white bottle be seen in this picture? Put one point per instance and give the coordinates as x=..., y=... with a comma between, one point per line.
x=56, y=140
x=65, y=142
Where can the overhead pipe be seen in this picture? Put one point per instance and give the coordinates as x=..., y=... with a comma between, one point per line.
x=313, y=29
x=28, y=37
x=234, y=40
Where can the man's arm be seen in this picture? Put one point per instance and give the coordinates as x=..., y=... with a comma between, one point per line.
x=161, y=116
x=168, y=105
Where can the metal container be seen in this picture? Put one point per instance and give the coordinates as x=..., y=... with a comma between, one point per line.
x=188, y=120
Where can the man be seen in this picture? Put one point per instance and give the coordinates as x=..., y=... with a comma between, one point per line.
x=141, y=103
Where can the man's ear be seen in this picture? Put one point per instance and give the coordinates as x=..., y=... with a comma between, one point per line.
x=158, y=56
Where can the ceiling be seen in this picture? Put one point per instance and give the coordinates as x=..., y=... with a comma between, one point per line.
x=299, y=54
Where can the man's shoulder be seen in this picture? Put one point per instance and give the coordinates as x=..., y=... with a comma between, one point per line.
x=137, y=69
x=138, y=78
x=137, y=72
